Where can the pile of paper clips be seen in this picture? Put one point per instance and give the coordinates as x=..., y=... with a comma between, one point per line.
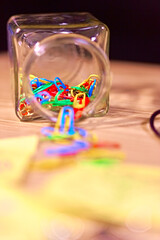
x=69, y=140
x=54, y=94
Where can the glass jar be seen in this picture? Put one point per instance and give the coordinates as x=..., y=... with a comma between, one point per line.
x=70, y=46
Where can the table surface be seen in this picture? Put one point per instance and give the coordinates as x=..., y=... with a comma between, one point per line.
x=134, y=96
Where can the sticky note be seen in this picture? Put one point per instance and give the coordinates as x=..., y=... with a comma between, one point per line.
x=23, y=217
x=18, y=217
x=62, y=226
x=15, y=154
x=115, y=193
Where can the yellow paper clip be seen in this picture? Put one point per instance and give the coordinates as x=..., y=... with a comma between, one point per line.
x=74, y=92
x=93, y=76
x=58, y=123
x=90, y=78
x=31, y=77
x=76, y=104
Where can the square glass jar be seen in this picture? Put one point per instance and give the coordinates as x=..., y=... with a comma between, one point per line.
x=68, y=45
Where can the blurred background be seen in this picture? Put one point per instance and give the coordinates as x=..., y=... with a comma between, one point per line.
x=134, y=24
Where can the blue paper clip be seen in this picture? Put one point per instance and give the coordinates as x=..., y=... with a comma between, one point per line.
x=67, y=111
x=91, y=88
x=81, y=131
x=74, y=148
x=60, y=85
x=40, y=95
x=36, y=81
x=47, y=131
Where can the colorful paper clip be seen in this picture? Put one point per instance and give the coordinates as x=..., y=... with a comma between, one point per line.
x=71, y=149
x=25, y=109
x=66, y=121
x=79, y=100
x=42, y=87
x=43, y=96
x=64, y=127
x=91, y=88
x=76, y=90
x=87, y=81
x=79, y=104
x=59, y=102
x=36, y=81
x=59, y=85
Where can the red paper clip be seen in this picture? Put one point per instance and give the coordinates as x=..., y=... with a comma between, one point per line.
x=106, y=145
x=80, y=104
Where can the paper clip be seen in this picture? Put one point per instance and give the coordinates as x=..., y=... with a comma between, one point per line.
x=76, y=90
x=31, y=76
x=59, y=94
x=82, y=83
x=79, y=103
x=44, y=96
x=25, y=109
x=66, y=120
x=93, y=76
x=74, y=148
x=42, y=87
x=47, y=131
x=106, y=145
x=65, y=94
x=63, y=102
x=86, y=81
x=36, y=81
x=52, y=90
x=59, y=103
x=59, y=85
x=24, y=100
x=91, y=88
x=101, y=161
x=79, y=106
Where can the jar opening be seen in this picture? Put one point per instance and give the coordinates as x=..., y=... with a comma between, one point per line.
x=71, y=58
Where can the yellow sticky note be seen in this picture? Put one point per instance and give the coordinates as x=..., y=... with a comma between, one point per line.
x=18, y=217
x=15, y=154
x=23, y=217
x=117, y=194
x=61, y=226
